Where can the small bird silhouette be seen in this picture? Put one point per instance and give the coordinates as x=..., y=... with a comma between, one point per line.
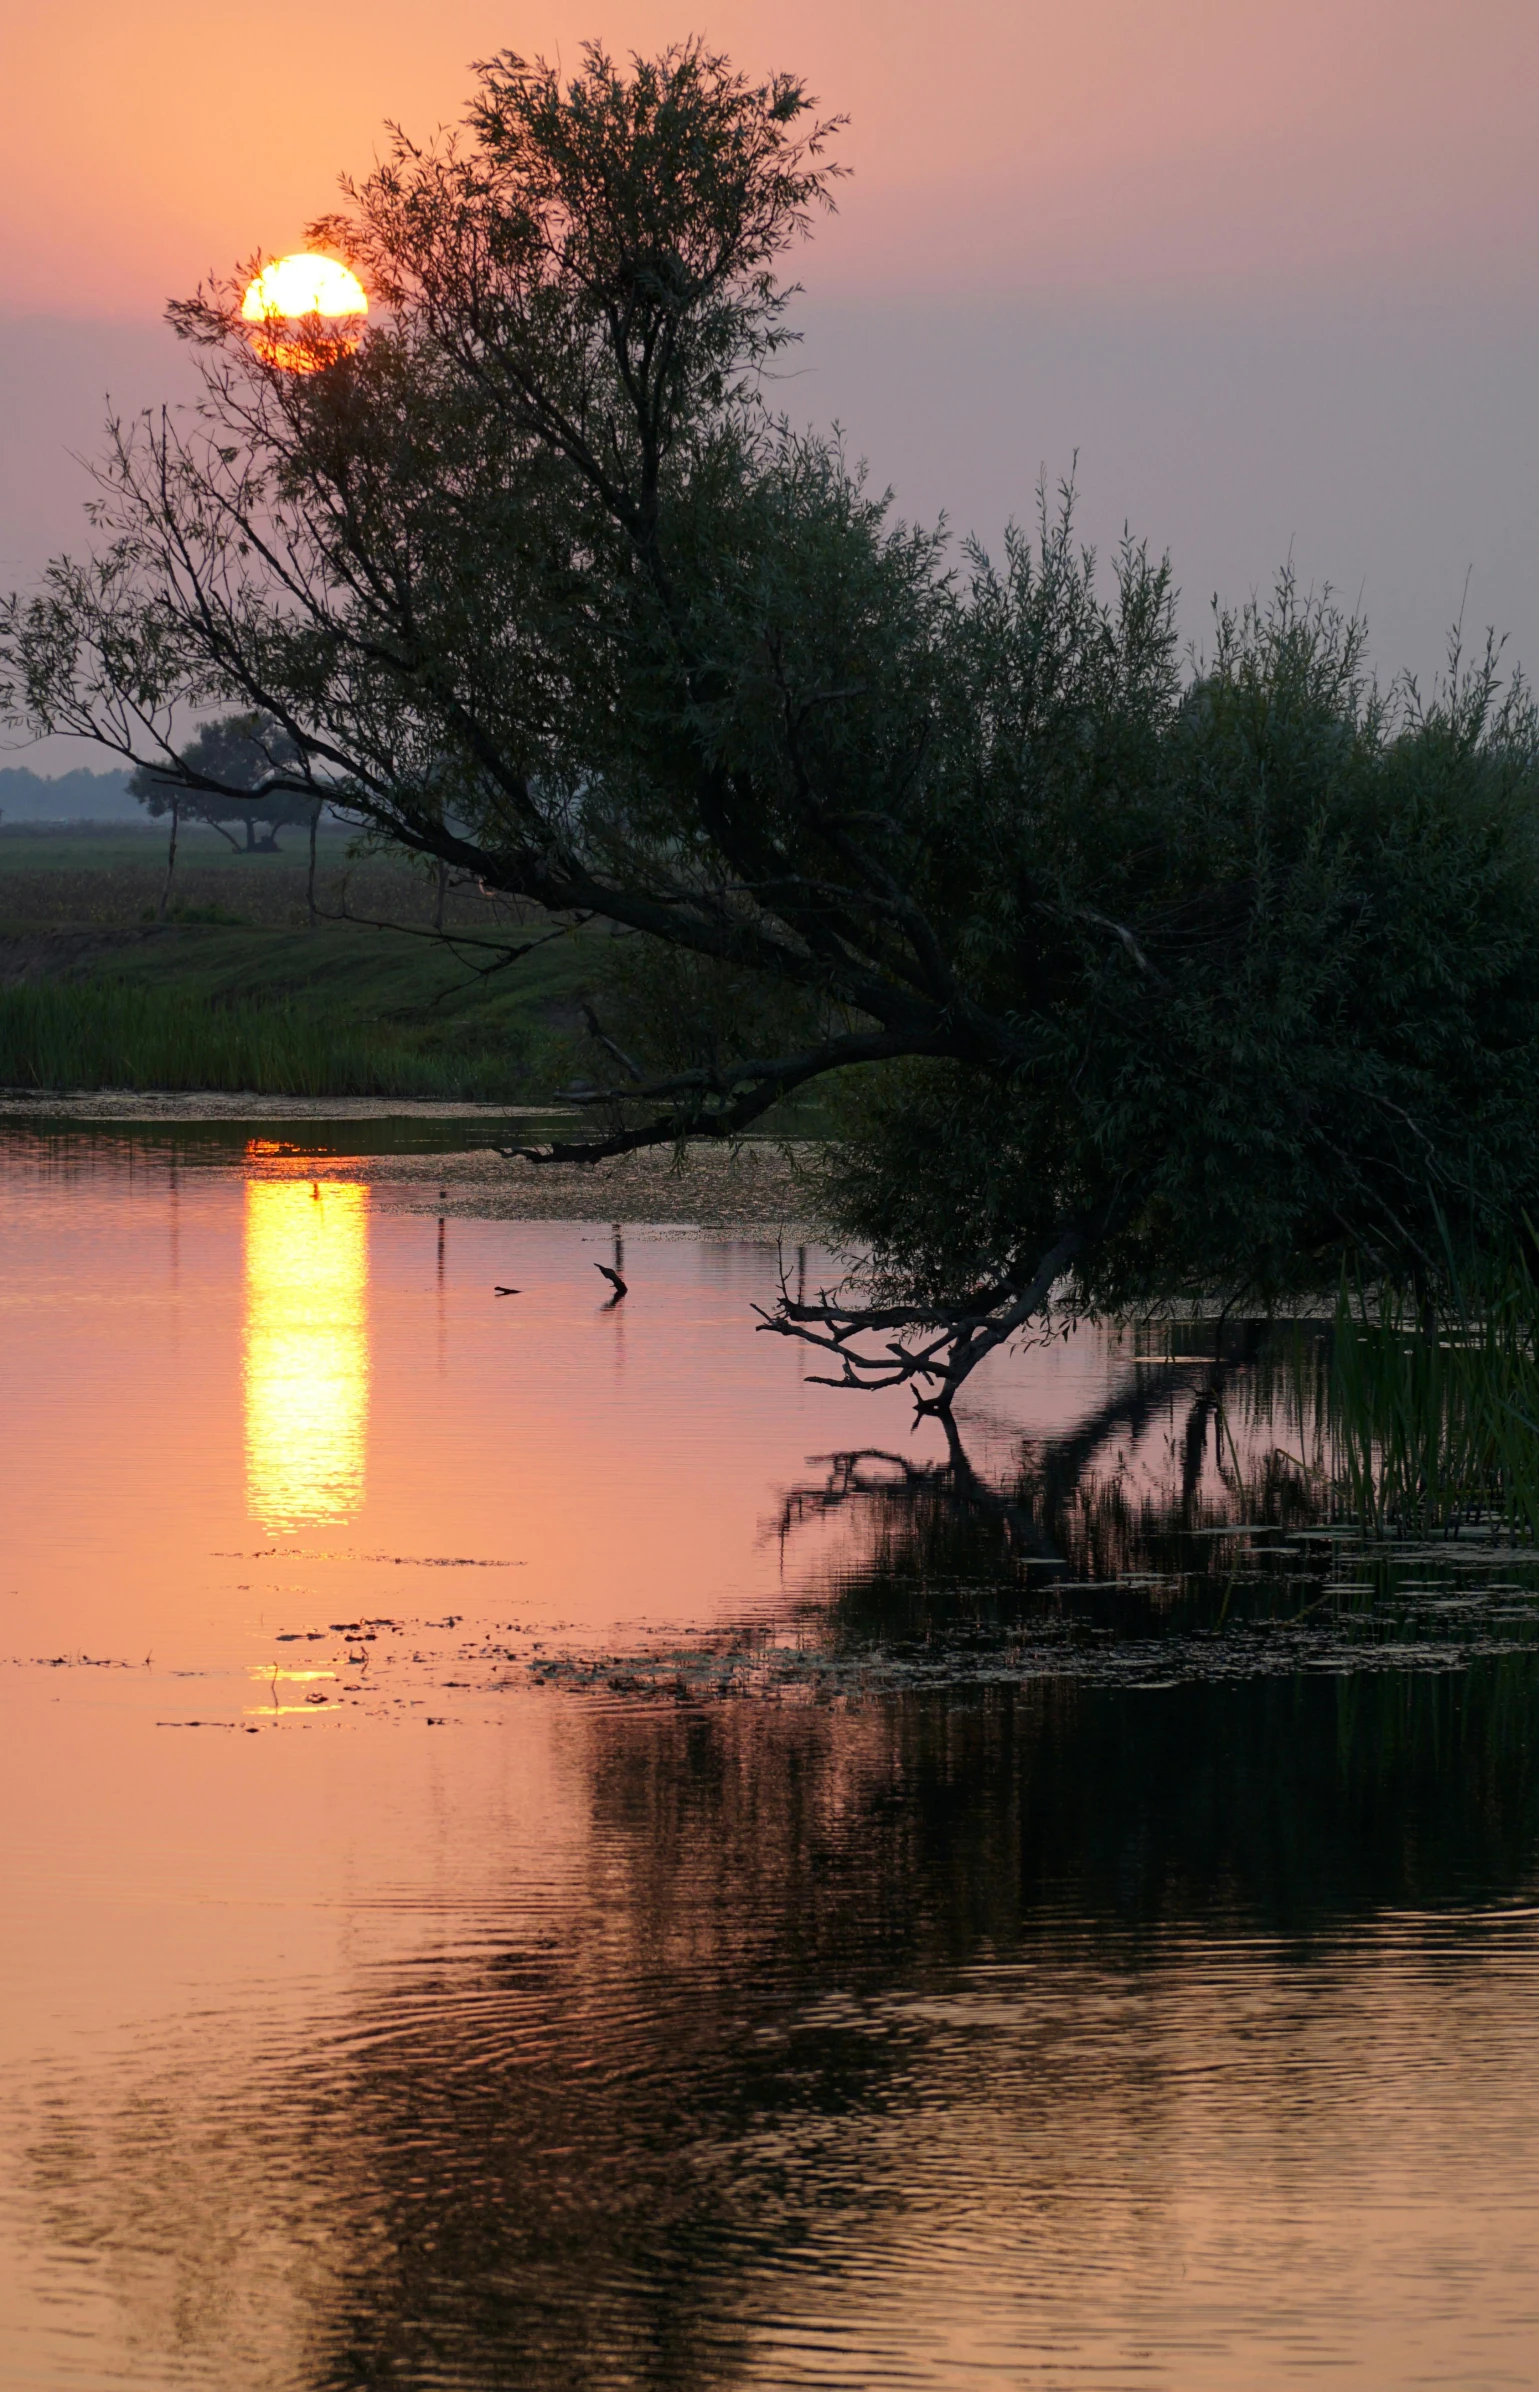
x=507, y=1291
x=615, y=1280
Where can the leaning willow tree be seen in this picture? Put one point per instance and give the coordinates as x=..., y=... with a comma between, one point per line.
x=1148, y=978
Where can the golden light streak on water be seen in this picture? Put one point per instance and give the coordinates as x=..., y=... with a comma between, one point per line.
x=306, y=1351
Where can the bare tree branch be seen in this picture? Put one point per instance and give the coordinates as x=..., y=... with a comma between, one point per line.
x=937, y=1367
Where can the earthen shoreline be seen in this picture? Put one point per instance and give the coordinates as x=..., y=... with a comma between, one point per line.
x=759, y=1189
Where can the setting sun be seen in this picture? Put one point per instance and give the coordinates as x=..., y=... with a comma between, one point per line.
x=307, y=311
x=303, y=286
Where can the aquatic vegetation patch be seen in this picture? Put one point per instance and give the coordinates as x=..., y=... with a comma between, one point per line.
x=1435, y=1422
x=1354, y=1617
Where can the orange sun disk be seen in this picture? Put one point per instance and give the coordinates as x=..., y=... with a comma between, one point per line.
x=307, y=311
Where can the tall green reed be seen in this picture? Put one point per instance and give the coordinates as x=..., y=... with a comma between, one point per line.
x=103, y=1033
x=1402, y=1416
x=1433, y=1405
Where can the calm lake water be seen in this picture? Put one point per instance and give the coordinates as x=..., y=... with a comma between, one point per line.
x=529, y=1861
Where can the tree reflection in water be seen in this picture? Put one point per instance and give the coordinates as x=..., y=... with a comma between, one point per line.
x=1203, y=1495
x=862, y=2034
x=729, y=2095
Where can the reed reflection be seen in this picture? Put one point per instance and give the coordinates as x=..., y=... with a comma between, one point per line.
x=306, y=1351
x=1200, y=1520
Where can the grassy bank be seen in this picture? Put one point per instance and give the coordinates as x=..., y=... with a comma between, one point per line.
x=110, y=1034
x=337, y=1011
x=239, y=990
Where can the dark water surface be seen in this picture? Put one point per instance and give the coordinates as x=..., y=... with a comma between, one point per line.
x=526, y=1864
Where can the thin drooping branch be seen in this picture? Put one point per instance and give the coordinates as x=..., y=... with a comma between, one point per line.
x=601, y=1037
x=704, y=1103
x=787, y=934
x=504, y=953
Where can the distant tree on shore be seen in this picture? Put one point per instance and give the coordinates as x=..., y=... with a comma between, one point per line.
x=1160, y=979
x=238, y=753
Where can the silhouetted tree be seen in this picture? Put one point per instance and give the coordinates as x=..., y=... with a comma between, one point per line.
x=1176, y=980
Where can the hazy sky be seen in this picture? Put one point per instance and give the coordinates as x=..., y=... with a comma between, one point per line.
x=1270, y=267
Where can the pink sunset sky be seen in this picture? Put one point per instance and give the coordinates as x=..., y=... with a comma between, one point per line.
x=1268, y=265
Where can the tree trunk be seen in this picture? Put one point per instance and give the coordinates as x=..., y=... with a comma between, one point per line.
x=165, y=894
x=315, y=817
x=443, y=882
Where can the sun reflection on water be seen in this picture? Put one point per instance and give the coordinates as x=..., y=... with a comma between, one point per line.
x=306, y=1351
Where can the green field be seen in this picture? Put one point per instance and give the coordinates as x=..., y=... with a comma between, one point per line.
x=238, y=989
x=90, y=846
x=116, y=878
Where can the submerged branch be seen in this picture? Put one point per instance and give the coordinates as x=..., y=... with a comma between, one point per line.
x=963, y=1335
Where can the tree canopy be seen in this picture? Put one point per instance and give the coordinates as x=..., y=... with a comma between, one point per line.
x=1165, y=976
